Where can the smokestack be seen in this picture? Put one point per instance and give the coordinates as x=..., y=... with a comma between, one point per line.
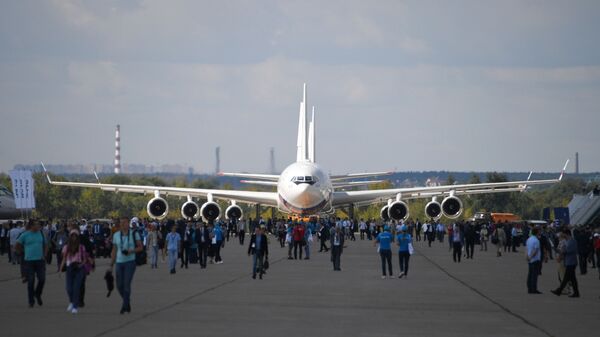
x=272, y=160
x=118, y=150
x=218, y=163
x=576, y=162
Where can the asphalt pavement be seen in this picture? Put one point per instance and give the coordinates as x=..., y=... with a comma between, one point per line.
x=486, y=296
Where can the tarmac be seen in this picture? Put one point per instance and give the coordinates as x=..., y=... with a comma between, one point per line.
x=486, y=296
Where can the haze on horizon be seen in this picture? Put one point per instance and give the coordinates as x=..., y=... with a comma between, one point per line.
x=396, y=85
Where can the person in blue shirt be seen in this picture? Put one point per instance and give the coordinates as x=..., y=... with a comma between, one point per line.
x=259, y=249
x=126, y=243
x=403, y=240
x=534, y=259
x=173, y=242
x=218, y=239
x=34, y=245
x=384, y=239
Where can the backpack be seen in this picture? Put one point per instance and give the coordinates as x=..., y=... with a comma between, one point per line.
x=141, y=258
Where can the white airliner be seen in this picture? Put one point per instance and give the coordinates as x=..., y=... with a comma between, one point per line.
x=305, y=189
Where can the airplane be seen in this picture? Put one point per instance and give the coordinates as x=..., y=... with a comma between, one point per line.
x=304, y=189
x=8, y=209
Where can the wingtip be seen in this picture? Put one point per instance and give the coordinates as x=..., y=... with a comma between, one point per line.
x=46, y=173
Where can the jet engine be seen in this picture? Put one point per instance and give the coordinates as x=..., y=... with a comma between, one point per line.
x=384, y=213
x=398, y=210
x=234, y=212
x=157, y=208
x=433, y=209
x=210, y=211
x=452, y=207
x=189, y=210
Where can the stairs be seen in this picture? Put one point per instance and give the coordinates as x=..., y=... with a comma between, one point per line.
x=584, y=208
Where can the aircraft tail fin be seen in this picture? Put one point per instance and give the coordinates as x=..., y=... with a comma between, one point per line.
x=311, y=137
x=301, y=154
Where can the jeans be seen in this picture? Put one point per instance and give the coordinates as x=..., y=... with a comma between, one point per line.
x=74, y=281
x=532, y=276
x=470, y=247
x=218, y=251
x=386, y=256
x=457, y=251
x=32, y=270
x=403, y=258
x=124, y=275
x=484, y=245
x=569, y=277
x=297, y=247
x=154, y=257
x=202, y=254
x=257, y=263
x=307, y=249
x=241, y=236
x=336, y=252
x=172, y=259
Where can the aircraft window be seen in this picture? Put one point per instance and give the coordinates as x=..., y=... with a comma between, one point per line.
x=308, y=178
x=300, y=178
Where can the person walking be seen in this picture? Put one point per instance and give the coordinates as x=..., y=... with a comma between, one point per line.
x=483, y=237
x=152, y=245
x=241, y=228
x=259, y=249
x=218, y=242
x=337, y=247
x=534, y=260
x=173, y=242
x=499, y=236
x=457, y=237
x=323, y=235
x=203, y=240
x=384, y=239
x=75, y=260
x=469, y=239
x=569, y=256
x=33, y=247
x=298, y=237
x=403, y=240
x=126, y=244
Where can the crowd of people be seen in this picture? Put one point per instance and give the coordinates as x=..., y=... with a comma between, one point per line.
x=129, y=243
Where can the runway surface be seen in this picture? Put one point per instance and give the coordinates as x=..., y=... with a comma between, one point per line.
x=482, y=297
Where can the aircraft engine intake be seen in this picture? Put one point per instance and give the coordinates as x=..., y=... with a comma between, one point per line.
x=398, y=210
x=189, y=210
x=210, y=211
x=452, y=207
x=384, y=213
x=234, y=212
x=157, y=208
x=433, y=209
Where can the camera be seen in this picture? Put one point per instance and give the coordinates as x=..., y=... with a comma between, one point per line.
x=125, y=252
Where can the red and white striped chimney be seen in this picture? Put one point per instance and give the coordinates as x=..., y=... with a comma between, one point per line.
x=118, y=150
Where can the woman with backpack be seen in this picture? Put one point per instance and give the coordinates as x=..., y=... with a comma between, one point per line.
x=75, y=261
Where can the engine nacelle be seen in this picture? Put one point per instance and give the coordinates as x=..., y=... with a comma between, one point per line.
x=433, y=209
x=157, y=208
x=210, y=211
x=452, y=207
x=384, y=213
x=234, y=212
x=189, y=210
x=398, y=211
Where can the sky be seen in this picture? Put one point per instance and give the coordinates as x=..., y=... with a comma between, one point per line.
x=396, y=85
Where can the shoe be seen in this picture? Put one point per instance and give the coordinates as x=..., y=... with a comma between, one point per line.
x=254, y=276
x=555, y=292
x=122, y=311
x=172, y=271
x=536, y=292
x=383, y=277
x=39, y=300
x=307, y=258
x=70, y=307
x=260, y=276
x=290, y=258
x=401, y=275
x=31, y=305
x=74, y=311
x=574, y=295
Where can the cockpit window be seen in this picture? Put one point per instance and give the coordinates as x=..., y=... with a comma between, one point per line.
x=304, y=180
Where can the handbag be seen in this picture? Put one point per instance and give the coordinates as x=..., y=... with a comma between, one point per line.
x=411, y=249
x=266, y=263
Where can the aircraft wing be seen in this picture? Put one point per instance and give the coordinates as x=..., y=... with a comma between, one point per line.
x=342, y=177
x=269, y=177
x=249, y=197
x=374, y=196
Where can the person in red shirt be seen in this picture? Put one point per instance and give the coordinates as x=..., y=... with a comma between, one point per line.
x=298, y=237
x=597, y=250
